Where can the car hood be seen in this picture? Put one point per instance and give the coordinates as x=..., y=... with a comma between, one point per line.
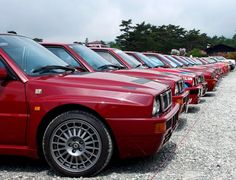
x=149, y=74
x=104, y=81
x=177, y=72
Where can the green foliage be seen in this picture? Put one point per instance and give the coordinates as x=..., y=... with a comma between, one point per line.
x=113, y=44
x=196, y=52
x=147, y=37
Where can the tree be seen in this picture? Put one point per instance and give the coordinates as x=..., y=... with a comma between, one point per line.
x=148, y=37
x=196, y=53
x=123, y=41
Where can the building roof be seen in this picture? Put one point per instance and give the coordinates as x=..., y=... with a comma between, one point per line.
x=220, y=48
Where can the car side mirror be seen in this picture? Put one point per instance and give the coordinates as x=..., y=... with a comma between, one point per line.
x=3, y=74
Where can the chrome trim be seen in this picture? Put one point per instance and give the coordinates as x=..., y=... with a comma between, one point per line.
x=166, y=97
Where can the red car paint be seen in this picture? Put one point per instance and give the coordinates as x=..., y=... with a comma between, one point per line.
x=209, y=73
x=223, y=66
x=181, y=98
x=28, y=101
x=195, y=90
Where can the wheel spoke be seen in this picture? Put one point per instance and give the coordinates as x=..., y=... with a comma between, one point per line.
x=74, y=131
x=85, y=139
x=90, y=147
x=66, y=135
x=90, y=142
x=82, y=136
x=79, y=133
x=59, y=137
x=70, y=134
x=58, y=143
x=59, y=149
x=86, y=151
x=87, y=158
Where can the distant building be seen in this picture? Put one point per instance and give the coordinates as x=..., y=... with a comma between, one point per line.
x=97, y=44
x=219, y=50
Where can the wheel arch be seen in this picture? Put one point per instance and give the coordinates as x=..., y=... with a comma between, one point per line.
x=64, y=108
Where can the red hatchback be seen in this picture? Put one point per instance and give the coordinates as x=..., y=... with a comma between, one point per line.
x=75, y=119
x=84, y=59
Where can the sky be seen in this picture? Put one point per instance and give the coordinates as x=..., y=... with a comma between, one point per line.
x=75, y=20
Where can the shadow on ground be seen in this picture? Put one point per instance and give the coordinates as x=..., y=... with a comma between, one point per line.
x=202, y=101
x=155, y=163
x=210, y=95
x=193, y=109
x=182, y=124
x=22, y=164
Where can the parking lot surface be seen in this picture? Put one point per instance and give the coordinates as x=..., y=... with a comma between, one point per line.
x=203, y=147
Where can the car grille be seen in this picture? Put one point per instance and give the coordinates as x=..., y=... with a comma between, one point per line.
x=171, y=123
x=201, y=79
x=166, y=100
x=195, y=81
x=180, y=86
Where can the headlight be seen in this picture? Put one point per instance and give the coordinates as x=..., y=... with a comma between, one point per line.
x=176, y=89
x=156, y=107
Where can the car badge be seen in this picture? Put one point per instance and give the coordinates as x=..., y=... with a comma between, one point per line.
x=38, y=91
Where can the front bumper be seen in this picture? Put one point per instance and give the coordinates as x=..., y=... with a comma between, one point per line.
x=195, y=93
x=211, y=84
x=182, y=100
x=204, y=88
x=137, y=137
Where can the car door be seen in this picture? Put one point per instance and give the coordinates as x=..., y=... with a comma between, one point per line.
x=13, y=110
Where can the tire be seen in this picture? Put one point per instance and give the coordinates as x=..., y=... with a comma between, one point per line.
x=76, y=143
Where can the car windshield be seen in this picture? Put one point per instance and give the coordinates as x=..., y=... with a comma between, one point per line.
x=211, y=60
x=182, y=60
x=131, y=61
x=189, y=60
x=169, y=61
x=91, y=57
x=221, y=58
x=150, y=63
x=193, y=61
x=175, y=61
x=30, y=56
x=106, y=55
x=64, y=55
x=198, y=62
x=156, y=61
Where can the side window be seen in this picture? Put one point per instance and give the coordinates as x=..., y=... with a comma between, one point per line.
x=109, y=57
x=64, y=55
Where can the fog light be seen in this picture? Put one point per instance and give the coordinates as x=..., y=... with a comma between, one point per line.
x=180, y=101
x=160, y=128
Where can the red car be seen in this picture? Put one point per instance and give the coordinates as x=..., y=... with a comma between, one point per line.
x=225, y=67
x=76, y=120
x=121, y=57
x=87, y=60
x=210, y=74
x=190, y=80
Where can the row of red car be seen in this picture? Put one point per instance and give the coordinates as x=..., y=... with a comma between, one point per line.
x=77, y=107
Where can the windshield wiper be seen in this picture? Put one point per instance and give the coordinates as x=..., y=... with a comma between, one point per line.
x=138, y=65
x=46, y=69
x=107, y=66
